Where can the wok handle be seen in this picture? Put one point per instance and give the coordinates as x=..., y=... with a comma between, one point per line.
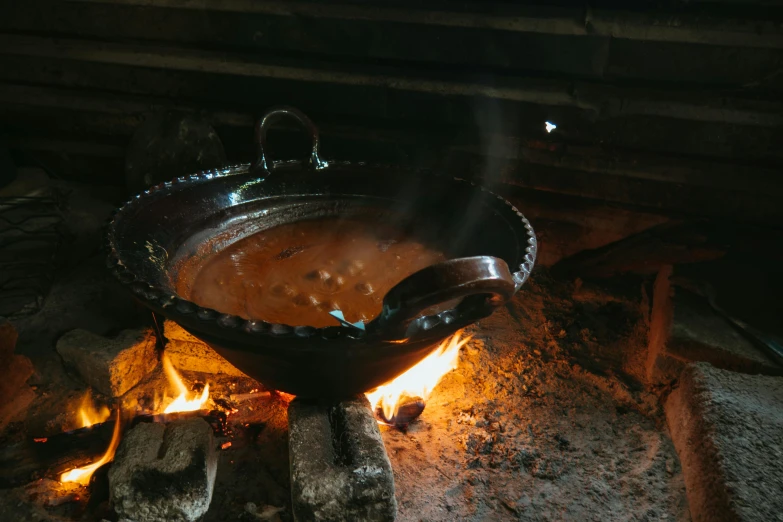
x=274, y=115
x=485, y=278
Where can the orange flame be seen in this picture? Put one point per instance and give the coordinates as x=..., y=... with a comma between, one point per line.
x=89, y=414
x=82, y=475
x=182, y=402
x=420, y=380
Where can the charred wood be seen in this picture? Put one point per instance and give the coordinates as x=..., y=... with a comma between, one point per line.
x=31, y=459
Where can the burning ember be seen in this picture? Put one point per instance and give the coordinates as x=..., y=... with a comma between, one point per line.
x=90, y=415
x=415, y=386
x=82, y=475
x=182, y=402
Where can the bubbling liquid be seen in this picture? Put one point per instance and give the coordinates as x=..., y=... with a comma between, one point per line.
x=297, y=273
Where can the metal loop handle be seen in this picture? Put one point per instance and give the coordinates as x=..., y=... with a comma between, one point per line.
x=439, y=283
x=274, y=115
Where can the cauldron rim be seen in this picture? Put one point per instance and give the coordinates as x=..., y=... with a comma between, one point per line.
x=206, y=322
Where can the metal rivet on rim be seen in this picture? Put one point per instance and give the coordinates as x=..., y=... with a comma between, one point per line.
x=447, y=317
x=429, y=322
x=229, y=321
x=152, y=294
x=256, y=327
x=304, y=331
x=280, y=329
x=185, y=307
x=205, y=314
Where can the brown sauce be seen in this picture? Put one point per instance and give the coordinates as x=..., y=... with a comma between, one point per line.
x=295, y=274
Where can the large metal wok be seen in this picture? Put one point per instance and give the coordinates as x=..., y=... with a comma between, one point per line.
x=490, y=246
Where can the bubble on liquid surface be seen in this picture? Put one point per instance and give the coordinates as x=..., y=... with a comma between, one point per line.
x=364, y=288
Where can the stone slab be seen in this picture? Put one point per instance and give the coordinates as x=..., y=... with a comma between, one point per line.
x=186, y=352
x=684, y=328
x=15, y=369
x=174, y=332
x=727, y=428
x=164, y=473
x=111, y=366
x=15, y=408
x=339, y=467
x=198, y=357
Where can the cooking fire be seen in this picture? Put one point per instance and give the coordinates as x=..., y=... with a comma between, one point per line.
x=186, y=401
x=514, y=412
x=82, y=475
x=402, y=400
x=389, y=401
x=183, y=402
x=89, y=414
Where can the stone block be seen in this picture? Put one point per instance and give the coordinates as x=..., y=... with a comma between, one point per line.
x=111, y=366
x=164, y=473
x=174, y=332
x=14, y=372
x=17, y=405
x=188, y=353
x=198, y=357
x=727, y=428
x=684, y=328
x=339, y=467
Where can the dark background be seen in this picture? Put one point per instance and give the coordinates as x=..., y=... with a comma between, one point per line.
x=667, y=106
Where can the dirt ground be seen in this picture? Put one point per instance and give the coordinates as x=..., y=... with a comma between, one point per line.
x=544, y=420
x=523, y=430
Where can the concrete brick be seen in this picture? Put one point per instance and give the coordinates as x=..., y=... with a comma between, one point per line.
x=188, y=353
x=339, y=467
x=14, y=372
x=684, y=328
x=727, y=428
x=164, y=473
x=111, y=366
x=174, y=332
x=198, y=357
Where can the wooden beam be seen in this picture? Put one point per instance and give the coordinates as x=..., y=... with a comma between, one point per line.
x=661, y=26
x=602, y=101
x=545, y=92
x=485, y=51
x=119, y=115
x=27, y=460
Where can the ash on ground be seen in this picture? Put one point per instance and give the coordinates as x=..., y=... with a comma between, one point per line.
x=543, y=420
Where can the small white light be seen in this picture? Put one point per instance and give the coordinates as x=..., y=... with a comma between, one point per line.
x=550, y=126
